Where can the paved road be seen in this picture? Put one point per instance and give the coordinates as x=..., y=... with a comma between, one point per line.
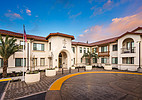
x=2, y=87
x=102, y=87
x=40, y=96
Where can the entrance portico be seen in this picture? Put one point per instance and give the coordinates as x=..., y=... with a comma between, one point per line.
x=60, y=50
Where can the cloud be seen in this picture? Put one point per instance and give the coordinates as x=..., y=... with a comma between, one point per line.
x=76, y=15
x=86, y=30
x=28, y=12
x=106, y=5
x=115, y=28
x=13, y=16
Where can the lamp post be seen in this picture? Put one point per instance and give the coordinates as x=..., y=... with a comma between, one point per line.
x=139, y=54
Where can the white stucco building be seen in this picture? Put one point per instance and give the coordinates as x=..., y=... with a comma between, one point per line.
x=58, y=50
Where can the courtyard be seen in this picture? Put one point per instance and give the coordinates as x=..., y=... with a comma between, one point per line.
x=119, y=85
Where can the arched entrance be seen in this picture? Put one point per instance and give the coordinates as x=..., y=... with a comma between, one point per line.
x=63, y=60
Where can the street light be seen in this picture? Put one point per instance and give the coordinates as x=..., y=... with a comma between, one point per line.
x=139, y=55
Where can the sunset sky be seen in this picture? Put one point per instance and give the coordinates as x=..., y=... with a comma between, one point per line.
x=90, y=20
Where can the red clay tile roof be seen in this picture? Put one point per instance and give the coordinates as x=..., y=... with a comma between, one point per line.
x=136, y=29
x=106, y=41
x=102, y=42
x=5, y=32
x=60, y=34
x=80, y=43
x=129, y=33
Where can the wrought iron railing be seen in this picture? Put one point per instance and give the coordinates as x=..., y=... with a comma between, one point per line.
x=128, y=50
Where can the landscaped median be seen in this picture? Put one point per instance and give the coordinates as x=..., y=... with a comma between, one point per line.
x=58, y=83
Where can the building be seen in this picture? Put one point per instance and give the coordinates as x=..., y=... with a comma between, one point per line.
x=58, y=50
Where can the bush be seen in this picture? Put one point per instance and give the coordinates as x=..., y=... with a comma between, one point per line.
x=50, y=69
x=32, y=72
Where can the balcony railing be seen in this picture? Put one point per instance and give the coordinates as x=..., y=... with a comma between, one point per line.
x=128, y=50
x=103, y=53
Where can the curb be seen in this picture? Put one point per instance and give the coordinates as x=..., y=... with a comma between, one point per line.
x=29, y=95
x=5, y=79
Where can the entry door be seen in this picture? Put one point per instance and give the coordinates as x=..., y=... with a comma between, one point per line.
x=60, y=62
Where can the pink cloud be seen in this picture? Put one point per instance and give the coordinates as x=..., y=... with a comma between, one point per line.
x=28, y=12
x=115, y=28
x=13, y=16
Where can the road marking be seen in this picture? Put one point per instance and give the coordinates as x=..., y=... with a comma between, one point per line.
x=58, y=83
x=6, y=79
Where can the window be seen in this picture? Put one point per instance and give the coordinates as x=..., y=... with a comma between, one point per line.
x=87, y=49
x=114, y=48
x=35, y=61
x=1, y=62
x=114, y=60
x=19, y=62
x=128, y=45
x=128, y=60
x=104, y=49
x=39, y=47
x=103, y=60
x=49, y=45
x=42, y=61
x=21, y=44
x=94, y=60
x=95, y=50
x=84, y=50
x=81, y=60
x=73, y=49
x=80, y=49
x=132, y=44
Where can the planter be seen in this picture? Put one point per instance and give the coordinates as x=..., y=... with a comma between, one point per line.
x=108, y=67
x=50, y=72
x=88, y=67
x=57, y=69
x=30, y=78
x=72, y=67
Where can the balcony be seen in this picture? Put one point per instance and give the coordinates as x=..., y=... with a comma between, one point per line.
x=128, y=50
x=100, y=54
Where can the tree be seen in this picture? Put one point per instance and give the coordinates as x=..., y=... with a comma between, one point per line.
x=7, y=48
x=90, y=55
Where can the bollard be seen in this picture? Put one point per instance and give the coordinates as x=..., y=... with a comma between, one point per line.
x=62, y=71
x=70, y=70
x=84, y=69
x=78, y=69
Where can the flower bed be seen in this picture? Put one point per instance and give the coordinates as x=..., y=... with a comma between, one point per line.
x=13, y=74
x=50, y=72
x=32, y=76
x=108, y=67
x=88, y=67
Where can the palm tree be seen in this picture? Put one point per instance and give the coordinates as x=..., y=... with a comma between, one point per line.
x=90, y=55
x=7, y=48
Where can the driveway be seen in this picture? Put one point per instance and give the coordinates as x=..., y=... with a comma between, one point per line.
x=99, y=86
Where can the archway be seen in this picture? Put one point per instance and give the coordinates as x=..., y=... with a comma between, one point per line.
x=128, y=46
x=63, y=60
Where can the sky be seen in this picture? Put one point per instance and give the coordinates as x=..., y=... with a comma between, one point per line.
x=87, y=20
